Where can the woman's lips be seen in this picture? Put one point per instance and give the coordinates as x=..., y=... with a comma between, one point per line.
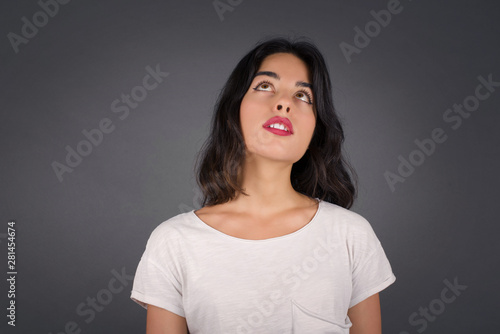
x=278, y=131
x=279, y=120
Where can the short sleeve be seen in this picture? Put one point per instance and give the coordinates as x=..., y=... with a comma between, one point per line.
x=372, y=274
x=155, y=281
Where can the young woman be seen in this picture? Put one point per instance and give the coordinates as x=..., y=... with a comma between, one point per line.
x=274, y=248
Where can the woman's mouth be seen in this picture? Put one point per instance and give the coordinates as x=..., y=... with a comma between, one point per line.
x=278, y=129
x=279, y=125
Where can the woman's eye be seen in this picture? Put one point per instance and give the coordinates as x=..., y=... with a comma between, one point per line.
x=304, y=97
x=264, y=86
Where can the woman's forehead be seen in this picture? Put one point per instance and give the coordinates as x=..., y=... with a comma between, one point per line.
x=285, y=65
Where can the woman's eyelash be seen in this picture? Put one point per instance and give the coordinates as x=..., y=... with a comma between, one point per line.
x=305, y=92
x=262, y=82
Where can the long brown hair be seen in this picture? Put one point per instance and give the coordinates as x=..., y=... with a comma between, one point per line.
x=322, y=172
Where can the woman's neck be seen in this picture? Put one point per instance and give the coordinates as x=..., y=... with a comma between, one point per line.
x=267, y=182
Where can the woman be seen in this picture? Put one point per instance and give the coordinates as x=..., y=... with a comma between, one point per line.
x=274, y=249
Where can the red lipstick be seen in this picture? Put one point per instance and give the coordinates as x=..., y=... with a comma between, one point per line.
x=279, y=122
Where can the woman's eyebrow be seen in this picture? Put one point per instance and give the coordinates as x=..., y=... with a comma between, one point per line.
x=269, y=74
x=303, y=84
x=276, y=76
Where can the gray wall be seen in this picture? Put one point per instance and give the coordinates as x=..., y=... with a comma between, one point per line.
x=76, y=233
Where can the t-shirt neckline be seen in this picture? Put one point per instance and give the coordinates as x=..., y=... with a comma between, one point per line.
x=281, y=237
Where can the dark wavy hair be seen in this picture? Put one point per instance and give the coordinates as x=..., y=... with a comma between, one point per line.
x=322, y=172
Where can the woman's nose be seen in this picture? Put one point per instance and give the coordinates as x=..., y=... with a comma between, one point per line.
x=280, y=107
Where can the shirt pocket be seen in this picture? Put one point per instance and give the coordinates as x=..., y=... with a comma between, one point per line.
x=305, y=321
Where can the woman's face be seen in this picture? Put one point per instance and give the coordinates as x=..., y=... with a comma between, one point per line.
x=282, y=88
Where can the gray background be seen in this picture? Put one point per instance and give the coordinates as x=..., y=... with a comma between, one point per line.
x=440, y=224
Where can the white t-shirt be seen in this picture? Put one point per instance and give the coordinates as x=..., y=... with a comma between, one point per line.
x=302, y=282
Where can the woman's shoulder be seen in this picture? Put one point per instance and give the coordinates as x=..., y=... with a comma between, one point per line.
x=215, y=215
x=338, y=211
x=343, y=217
x=357, y=232
x=171, y=228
